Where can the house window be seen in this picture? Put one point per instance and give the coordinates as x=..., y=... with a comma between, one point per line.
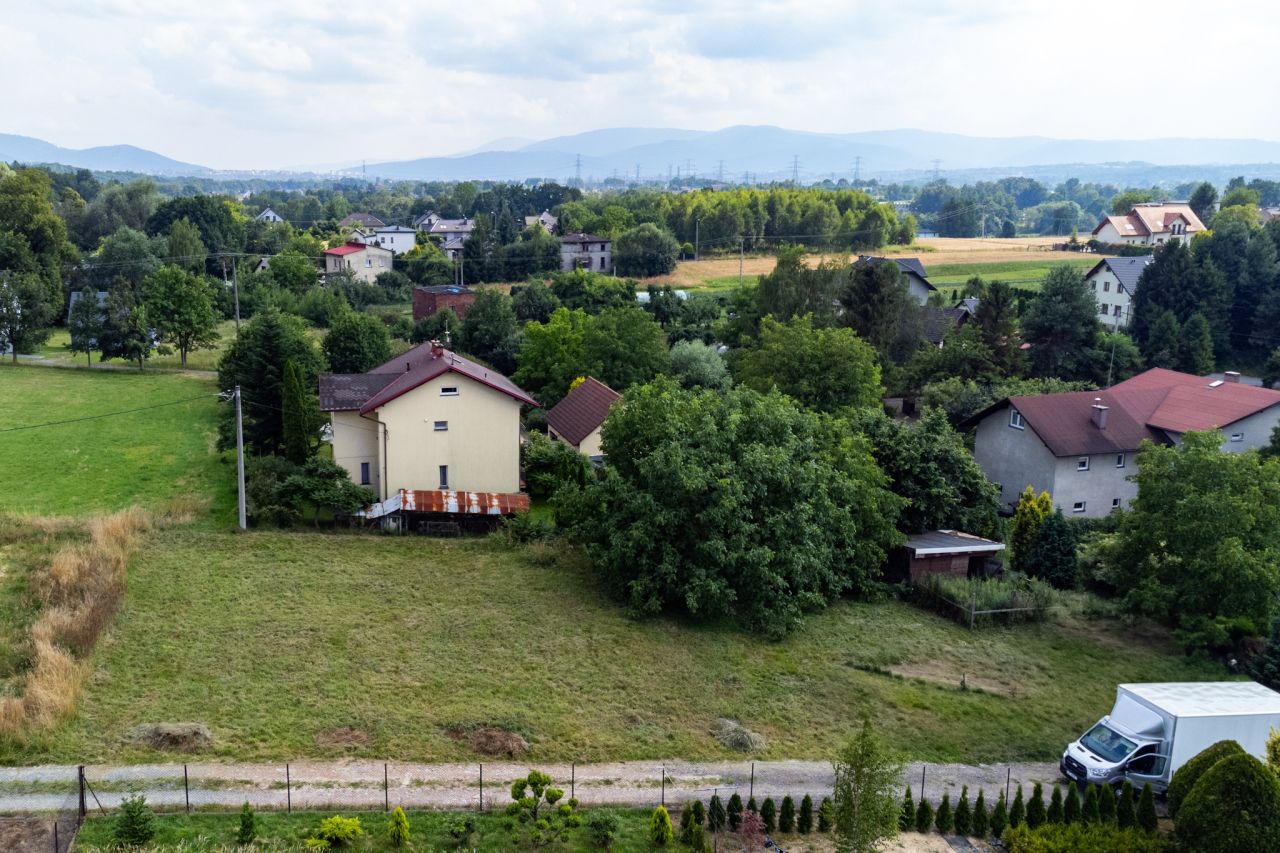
x=1115, y=503
x=1015, y=419
x=441, y=426
x=444, y=476
x=1102, y=309
x=1078, y=506
x=1119, y=460
x=382, y=262
x=1237, y=436
x=1116, y=310
x=449, y=391
x=368, y=262
x=1106, y=287
x=1082, y=464
x=364, y=473
x=1093, y=285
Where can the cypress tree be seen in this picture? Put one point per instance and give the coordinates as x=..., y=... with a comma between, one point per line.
x=924, y=816
x=1089, y=813
x=248, y=825
x=699, y=813
x=825, y=811
x=943, y=819
x=999, y=817
x=964, y=815
x=734, y=812
x=297, y=418
x=752, y=807
x=981, y=820
x=1055, y=806
x=1071, y=808
x=1035, y=807
x=1147, y=809
x=686, y=821
x=787, y=816
x=715, y=814
x=1107, y=805
x=908, y=815
x=1195, y=352
x=1126, y=810
x=804, y=822
x=769, y=814
x=1018, y=811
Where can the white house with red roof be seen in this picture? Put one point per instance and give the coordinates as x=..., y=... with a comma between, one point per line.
x=1150, y=224
x=428, y=420
x=366, y=262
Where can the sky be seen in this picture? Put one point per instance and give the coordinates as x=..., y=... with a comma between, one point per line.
x=285, y=83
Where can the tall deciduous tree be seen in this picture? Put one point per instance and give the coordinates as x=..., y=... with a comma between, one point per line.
x=26, y=310
x=184, y=246
x=645, y=250
x=490, y=331
x=356, y=343
x=1062, y=326
x=180, y=309
x=126, y=332
x=824, y=369
x=85, y=324
x=866, y=783
x=1203, y=200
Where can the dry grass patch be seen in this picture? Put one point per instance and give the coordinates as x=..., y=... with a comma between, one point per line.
x=493, y=741
x=343, y=738
x=178, y=737
x=947, y=674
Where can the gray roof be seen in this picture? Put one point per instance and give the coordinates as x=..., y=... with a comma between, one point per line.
x=1126, y=270
x=950, y=542
x=397, y=228
x=75, y=297
x=908, y=266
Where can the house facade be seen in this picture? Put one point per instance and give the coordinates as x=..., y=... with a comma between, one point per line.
x=545, y=219
x=427, y=420
x=1113, y=281
x=397, y=238
x=364, y=261
x=576, y=420
x=912, y=270
x=268, y=215
x=587, y=252
x=1080, y=447
x=449, y=230
x=1150, y=224
x=431, y=300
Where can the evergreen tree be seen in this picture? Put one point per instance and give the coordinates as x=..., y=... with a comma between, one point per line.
x=1062, y=326
x=1028, y=515
x=299, y=418
x=804, y=823
x=734, y=812
x=751, y=805
x=699, y=813
x=1266, y=319
x=999, y=817
x=125, y=334
x=981, y=820
x=908, y=815
x=1035, y=807
x=1126, y=812
x=924, y=816
x=787, y=816
x=1089, y=812
x=1195, y=351
x=716, y=817
x=660, y=830
x=248, y=829
x=769, y=814
x=964, y=815
x=135, y=823
x=397, y=828
x=1055, y=806
x=686, y=822
x=1265, y=666
x=1018, y=811
x=1147, y=819
x=1052, y=555
x=943, y=819
x=1107, y=805
x=825, y=815
x=1071, y=807
x=1162, y=346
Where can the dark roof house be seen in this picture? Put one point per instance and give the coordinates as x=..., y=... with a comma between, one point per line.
x=1126, y=270
x=361, y=220
x=576, y=420
x=912, y=269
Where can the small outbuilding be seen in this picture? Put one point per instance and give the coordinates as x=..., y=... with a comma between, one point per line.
x=942, y=552
x=576, y=420
x=434, y=299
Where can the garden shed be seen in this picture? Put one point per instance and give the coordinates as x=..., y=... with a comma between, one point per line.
x=947, y=552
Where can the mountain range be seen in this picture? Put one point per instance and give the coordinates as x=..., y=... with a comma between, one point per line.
x=761, y=152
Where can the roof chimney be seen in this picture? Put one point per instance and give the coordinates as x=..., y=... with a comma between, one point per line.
x=1099, y=413
x=1232, y=376
x=436, y=349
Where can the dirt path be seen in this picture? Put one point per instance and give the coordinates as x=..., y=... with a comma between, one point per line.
x=360, y=784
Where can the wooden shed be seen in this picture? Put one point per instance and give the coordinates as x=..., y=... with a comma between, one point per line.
x=947, y=552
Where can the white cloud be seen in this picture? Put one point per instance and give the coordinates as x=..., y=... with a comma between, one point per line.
x=268, y=83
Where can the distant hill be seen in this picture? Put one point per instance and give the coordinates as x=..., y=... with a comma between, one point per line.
x=770, y=153
x=106, y=158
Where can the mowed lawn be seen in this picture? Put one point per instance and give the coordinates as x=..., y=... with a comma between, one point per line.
x=273, y=639
x=145, y=458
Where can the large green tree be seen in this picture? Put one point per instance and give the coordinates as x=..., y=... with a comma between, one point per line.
x=85, y=324
x=824, y=369
x=126, y=331
x=220, y=226
x=184, y=248
x=26, y=309
x=1062, y=326
x=877, y=304
x=736, y=505
x=356, y=343
x=490, y=331
x=644, y=251
x=794, y=289
x=865, y=791
x=180, y=309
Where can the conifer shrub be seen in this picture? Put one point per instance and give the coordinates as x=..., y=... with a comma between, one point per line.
x=826, y=815
x=340, y=831
x=1054, y=815
x=686, y=822
x=964, y=814
x=1036, y=812
x=769, y=814
x=981, y=820
x=136, y=822
x=1107, y=805
x=999, y=817
x=602, y=826
x=398, y=828
x=660, y=830
x=1089, y=811
x=908, y=815
x=1017, y=811
x=804, y=821
x=787, y=816
x=1147, y=819
x=924, y=816
x=1071, y=806
x=943, y=818
x=751, y=805
x=1234, y=806
x=699, y=813
x=248, y=829
x=1081, y=838
x=1126, y=807
x=734, y=812
x=1188, y=774
x=716, y=817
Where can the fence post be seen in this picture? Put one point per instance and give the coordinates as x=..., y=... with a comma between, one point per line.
x=80, y=778
x=973, y=610
x=573, y=778
x=923, y=767
x=386, y=791
x=752, y=790
x=56, y=846
x=664, y=785
x=1008, y=777
x=186, y=789
x=288, y=790
x=481, y=787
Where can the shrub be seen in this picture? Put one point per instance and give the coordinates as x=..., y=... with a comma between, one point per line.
x=1036, y=813
x=1054, y=814
x=1106, y=805
x=135, y=825
x=550, y=465
x=924, y=816
x=602, y=826
x=769, y=814
x=981, y=820
x=697, y=841
x=1188, y=774
x=660, y=832
x=752, y=830
x=943, y=818
x=1089, y=811
x=339, y=831
x=1126, y=807
x=787, y=816
x=1147, y=809
x=734, y=812
x=1071, y=807
x=1081, y=838
x=699, y=813
x=248, y=829
x=461, y=830
x=825, y=816
x=804, y=823
x=1033, y=597
x=686, y=821
x=1235, y=806
x=715, y=814
x=999, y=817
x=908, y=815
x=751, y=805
x=964, y=815
x=398, y=828
x=1018, y=811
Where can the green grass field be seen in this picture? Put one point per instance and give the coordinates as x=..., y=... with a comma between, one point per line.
x=106, y=463
x=55, y=351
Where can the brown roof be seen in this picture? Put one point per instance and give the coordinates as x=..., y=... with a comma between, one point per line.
x=367, y=219
x=1146, y=219
x=1197, y=402
x=365, y=392
x=582, y=411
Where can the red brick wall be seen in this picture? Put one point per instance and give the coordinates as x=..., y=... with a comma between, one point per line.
x=425, y=304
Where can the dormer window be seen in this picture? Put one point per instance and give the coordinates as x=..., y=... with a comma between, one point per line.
x=1015, y=419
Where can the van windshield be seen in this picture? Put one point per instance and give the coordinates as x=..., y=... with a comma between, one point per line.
x=1103, y=742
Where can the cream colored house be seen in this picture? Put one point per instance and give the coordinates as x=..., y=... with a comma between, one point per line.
x=1113, y=282
x=1151, y=224
x=364, y=262
x=576, y=420
x=427, y=420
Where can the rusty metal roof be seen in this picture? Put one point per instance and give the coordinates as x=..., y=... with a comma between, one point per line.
x=582, y=411
x=463, y=503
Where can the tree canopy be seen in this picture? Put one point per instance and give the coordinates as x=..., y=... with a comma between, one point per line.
x=824, y=369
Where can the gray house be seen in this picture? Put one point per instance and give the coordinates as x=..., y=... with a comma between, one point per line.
x=1080, y=446
x=586, y=251
x=912, y=270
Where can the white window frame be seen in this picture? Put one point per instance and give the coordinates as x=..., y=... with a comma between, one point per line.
x=1237, y=437
x=1120, y=460
x=440, y=426
x=449, y=391
x=1115, y=503
x=1078, y=506
x=1015, y=419
x=444, y=477
x=1082, y=463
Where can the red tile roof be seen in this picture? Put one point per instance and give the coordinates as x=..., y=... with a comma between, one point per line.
x=582, y=411
x=1196, y=402
x=346, y=249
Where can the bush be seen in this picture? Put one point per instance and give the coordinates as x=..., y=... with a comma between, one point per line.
x=1147, y=819
x=943, y=818
x=550, y=465
x=1070, y=808
x=924, y=816
x=322, y=305
x=1055, y=806
x=1235, y=806
x=699, y=813
x=1010, y=592
x=135, y=825
x=769, y=814
x=981, y=820
x=461, y=830
x=602, y=826
x=1188, y=774
x=1126, y=807
x=1036, y=813
x=999, y=817
x=825, y=815
x=804, y=823
x=1089, y=811
x=734, y=812
x=1106, y=805
x=1079, y=838
x=660, y=832
x=964, y=815
x=340, y=831
x=1052, y=555
x=715, y=814
x=248, y=829
x=398, y=828
x=787, y=816
x=686, y=821
x=1018, y=811
x=908, y=816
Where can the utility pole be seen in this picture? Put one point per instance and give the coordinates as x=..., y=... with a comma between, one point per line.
x=688, y=169
x=235, y=285
x=857, y=168
x=937, y=172
x=240, y=458
x=697, y=233
x=795, y=170
x=577, y=171
x=637, y=173
x=742, y=249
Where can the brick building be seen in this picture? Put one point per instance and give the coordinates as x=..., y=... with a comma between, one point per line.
x=429, y=300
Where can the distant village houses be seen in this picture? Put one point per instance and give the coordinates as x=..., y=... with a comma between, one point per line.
x=586, y=252
x=268, y=215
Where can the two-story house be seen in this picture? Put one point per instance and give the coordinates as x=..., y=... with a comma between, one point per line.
x=268, y=215
x=364, y=261
x=587, y=252
x=912, y=270
x=1080, y=446
x=366, y=221
x=1150, y=224
x=428, y=420
x=1113, y=281
x=397, y=238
